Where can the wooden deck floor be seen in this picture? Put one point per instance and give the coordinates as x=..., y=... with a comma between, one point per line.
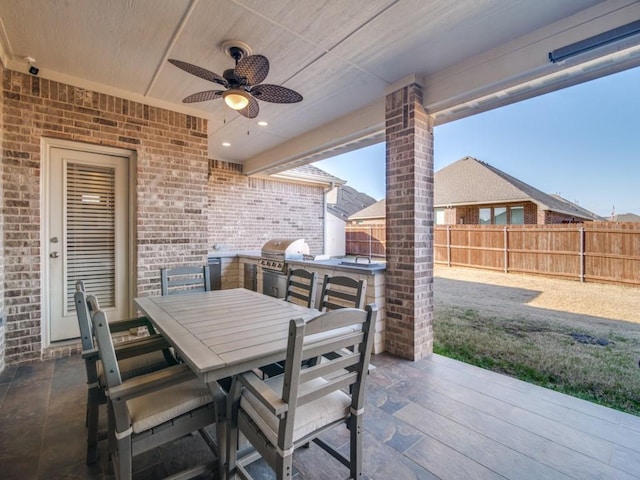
x=436, y=418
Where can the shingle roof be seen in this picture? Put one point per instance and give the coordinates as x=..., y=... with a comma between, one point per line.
x=349, y=201
x=470, y=181
x=377, y=210
x=586, y=213
x=626, y=217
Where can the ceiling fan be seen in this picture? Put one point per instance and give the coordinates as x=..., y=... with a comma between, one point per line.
x=242, y=83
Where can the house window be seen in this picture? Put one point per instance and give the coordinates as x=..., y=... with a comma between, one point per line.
x=517, y=215
x=485, y=216
x=439, y=216
x=500, y=215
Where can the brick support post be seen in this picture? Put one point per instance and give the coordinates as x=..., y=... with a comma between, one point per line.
x=409, y=217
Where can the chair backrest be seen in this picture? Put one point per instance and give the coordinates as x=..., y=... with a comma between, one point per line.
x=301, y=287
x=341, y=292
x=105, y=348
x=185, y=280
x=84, y=316
x=330, y=333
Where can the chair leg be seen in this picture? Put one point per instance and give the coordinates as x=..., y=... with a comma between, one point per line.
x=124, y=462
x=355, y=460
x=233, y=400
x=93, y=395
x=284, y=467
x=222, y=436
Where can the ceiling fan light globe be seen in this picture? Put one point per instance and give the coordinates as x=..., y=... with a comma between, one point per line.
x=236, y=99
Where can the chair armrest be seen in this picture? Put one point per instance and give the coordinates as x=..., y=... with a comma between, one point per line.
x=124, y=325
x=140, y=346
x=151, y=382
x=262, y=392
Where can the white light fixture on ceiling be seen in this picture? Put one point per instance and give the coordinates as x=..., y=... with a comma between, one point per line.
x=263, y=123
x=236, y=99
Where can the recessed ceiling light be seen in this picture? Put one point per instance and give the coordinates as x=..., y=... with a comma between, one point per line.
x=226, y=144
x=262, y=123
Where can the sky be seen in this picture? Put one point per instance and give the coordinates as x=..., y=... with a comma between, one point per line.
x=582, y=142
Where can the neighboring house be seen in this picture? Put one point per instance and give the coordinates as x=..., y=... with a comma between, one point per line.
x=473, y=192
x=342, y=202
x=625, y=217
x=373, y=214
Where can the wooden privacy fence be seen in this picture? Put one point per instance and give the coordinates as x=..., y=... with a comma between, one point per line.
x=605, y=252
x=595, y=251
x=367, y=240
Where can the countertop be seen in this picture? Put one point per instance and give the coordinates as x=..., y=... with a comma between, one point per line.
x=333, y=263
x=340, y=264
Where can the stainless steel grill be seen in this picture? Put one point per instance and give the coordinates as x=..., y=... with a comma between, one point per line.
x=277, y=251
x=275, y=254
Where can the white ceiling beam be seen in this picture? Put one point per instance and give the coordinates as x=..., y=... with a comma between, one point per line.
x=324, y=141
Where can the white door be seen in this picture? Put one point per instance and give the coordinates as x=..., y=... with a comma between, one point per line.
x=88, y=235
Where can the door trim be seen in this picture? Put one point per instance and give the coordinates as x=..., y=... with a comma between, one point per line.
x=46, y=144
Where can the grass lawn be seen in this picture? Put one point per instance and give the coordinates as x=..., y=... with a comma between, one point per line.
x=593, y=364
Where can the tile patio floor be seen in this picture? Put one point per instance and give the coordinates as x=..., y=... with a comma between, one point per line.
x=436, y=418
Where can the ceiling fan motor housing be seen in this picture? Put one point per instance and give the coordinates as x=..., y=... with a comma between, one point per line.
x=229, y=76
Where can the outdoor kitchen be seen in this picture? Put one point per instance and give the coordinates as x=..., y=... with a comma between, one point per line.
x=265, y=271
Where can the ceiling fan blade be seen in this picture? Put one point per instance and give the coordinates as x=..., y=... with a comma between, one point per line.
x=251, y=70
x=251, y=110
x=199, y=72
x=203, y=96
x=275, y=94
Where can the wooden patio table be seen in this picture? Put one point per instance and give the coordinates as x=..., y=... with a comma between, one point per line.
x=224, y=332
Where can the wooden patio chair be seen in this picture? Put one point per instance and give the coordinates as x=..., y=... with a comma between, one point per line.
x=153, y=409
x=185, y=280
x=341, y=292
x=282, y=413
x=301, y=287
x=138, y=356
x=301, y=290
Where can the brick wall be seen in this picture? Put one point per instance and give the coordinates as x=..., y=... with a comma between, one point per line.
x=171, y=188
x=2, y=314
x=245, y=212
x=530, y=213
x=467, y=215
x=409, y=218
x=548, y=217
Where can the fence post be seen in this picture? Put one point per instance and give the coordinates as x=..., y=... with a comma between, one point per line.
x=582, y=254
x=448, y=245
x=506, y=249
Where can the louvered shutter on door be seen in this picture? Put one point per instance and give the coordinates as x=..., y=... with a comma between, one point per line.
x=90, y=229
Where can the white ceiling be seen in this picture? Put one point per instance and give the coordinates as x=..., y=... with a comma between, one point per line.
x=342, y=56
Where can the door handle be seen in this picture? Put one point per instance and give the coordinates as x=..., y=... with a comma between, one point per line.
x=54, y=254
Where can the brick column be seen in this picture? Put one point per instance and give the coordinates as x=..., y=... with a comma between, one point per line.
x=409, y=218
